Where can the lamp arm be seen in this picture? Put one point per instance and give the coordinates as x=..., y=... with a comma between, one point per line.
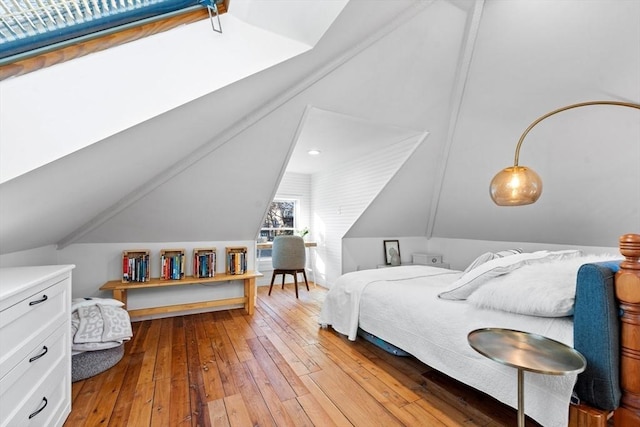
x=568, y=107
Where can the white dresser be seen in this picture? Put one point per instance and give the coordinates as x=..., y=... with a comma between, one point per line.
x=35, y=347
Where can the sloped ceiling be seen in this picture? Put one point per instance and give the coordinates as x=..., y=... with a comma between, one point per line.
x=243, y=173
x=109, y=91
x=243, y=133
x=206, y=170
x=339, y=139
x=532, y=57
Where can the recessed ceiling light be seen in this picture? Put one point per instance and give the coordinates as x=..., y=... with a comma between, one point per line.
x=313, y=152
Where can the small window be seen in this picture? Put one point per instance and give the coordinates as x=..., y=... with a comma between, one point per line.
x=280, y=219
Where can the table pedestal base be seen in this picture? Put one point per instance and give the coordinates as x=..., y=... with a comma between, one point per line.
x=520, y=398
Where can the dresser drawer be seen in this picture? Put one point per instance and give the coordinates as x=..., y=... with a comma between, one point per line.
x=32, y=320
x=24, y=379
x=48, y=405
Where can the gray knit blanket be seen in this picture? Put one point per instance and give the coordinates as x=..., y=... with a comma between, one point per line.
x=98, y=327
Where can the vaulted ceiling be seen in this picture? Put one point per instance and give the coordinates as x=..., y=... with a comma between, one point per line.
x=471, y=74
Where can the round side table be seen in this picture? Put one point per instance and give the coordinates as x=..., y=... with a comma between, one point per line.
x=526, y=352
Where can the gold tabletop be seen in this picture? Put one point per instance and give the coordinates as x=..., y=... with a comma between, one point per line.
x=527, y=351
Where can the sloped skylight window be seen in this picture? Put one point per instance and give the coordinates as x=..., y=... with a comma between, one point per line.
x=30, y=25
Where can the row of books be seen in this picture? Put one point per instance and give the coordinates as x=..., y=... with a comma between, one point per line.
x=172, y=266
x=135, y=267
x=204, y=264
x=237, y=262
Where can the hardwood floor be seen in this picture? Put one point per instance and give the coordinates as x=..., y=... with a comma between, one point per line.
x=275, y=368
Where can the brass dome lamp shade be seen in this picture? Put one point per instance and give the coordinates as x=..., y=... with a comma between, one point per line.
x=520, y=185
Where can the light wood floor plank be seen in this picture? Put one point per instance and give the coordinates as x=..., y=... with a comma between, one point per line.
x=373, y=385
x=103, y=408
x=237, y=339
x=223, y=352
x=254, y=322
x=256, y=406
x=218, y=414
x=179, y=362
x=280, y=316
x=289, y=374
x=161, y=403
x=137, y=342
x=269, y=394
x=197, y=393
x=298, y=350
x=86, y=400
x=207, y=361
x=354, y=402
x=418, y=415
x=163, y=355
x=179, y=407
x=76, y=387
x=324, y=402
x=297, y=413
x=279, y=383
x=286, y=351
x=223, y=344
x=316, y=413
x=142, y=404
x=237, y=411
x=122, y=407
x=369, y=367
x=150, y=342
x=150, y=350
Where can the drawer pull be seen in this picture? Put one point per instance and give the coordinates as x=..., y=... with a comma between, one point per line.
x=43, y=299
x=44, y=399
x=44, y=351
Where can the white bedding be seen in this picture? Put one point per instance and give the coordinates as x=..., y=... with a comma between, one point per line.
x=400, y=305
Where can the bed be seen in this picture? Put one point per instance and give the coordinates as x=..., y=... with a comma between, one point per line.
x=428, y=311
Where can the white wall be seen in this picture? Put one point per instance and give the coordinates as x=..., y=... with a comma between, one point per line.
x=341, y=195
x=368, y=253
x=298, y=186
x=460, y=252
x=45, y=255
x=303, y=21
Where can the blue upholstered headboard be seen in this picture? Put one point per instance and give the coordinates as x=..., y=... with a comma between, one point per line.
x=596, y=334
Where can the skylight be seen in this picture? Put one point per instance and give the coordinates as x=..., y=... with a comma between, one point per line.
x=31, y=25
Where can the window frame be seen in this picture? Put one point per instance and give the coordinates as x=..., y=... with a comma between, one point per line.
x=102, y=42
x=296, y=214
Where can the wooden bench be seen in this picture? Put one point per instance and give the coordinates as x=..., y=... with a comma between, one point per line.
x=121, y=289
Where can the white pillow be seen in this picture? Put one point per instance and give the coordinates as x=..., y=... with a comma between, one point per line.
x=545, y=289
x=472, y=280
x=488, y=256
x=76, y=303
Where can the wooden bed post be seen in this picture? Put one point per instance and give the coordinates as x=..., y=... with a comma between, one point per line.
x=627, y=287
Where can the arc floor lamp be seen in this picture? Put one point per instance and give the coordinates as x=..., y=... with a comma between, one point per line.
x=519, y=185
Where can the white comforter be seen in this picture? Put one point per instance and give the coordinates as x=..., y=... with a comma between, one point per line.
x=400, y=305
x=342, y=305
